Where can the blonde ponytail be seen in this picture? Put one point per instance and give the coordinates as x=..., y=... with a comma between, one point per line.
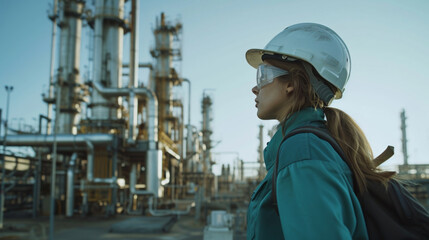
x=356, y=147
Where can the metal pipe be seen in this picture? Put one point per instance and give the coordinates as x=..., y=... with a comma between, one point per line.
x=61, y=139
x=152, y=79
x=134, y=191
x=36, y=187
x=70, y=186
x=54, y=163
x=154, y=171
x=132, y=102
x=173, y=177
x=40, y=122
x=189, y=150
x=141, y=65
x=90, y=159
x=133, y=182
x=1, y=121
x=84, y=200
x=261, y=171
x=111, y=180
x=404, y=137
x=182, y=127
x=189, y=127
x=167, y=178
x=189, y=99
x=92, y=187
x=114, y=174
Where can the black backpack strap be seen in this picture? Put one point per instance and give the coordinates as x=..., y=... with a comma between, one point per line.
x=320, y=132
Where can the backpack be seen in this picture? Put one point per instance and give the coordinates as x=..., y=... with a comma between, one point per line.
x=391, y=214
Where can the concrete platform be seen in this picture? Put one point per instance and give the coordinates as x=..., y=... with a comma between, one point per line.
x=97, y=228
x=144, y=225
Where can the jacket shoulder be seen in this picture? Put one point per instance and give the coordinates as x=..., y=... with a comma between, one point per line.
x=305, y=146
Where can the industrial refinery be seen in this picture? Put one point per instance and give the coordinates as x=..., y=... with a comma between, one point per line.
x=119, y=157
x=109, y=149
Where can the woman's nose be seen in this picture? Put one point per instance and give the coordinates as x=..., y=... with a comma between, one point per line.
x=255, y=90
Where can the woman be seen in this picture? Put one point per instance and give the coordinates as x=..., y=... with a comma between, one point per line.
x=300, y=71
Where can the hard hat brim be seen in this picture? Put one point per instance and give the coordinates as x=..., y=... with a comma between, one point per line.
x=254, y=56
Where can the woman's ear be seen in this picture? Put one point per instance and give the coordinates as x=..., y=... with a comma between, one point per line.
x=288, y=88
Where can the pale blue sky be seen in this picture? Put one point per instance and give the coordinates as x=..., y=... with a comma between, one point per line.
x=388, y=42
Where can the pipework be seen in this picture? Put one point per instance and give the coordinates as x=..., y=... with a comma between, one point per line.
x=152, y=113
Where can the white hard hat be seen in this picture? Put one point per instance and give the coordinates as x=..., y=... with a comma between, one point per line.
x=315, y=44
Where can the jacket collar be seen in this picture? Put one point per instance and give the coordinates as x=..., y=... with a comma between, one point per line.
x=303, y=117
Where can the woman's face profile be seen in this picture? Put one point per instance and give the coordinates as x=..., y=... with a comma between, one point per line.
x=271, y=100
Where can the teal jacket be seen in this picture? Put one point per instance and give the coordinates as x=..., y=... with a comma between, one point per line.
x=314, y=189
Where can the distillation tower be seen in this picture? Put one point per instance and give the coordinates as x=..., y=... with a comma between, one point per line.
x=417, y=173
x=68, y=73
x=207, y=103
x=164, y=78
x=127, y=153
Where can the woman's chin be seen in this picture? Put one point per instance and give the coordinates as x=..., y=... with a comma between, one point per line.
x=263, y=116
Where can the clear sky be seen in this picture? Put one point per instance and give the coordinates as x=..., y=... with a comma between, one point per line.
x=387, y=39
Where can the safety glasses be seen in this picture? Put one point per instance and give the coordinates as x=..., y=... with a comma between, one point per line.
x=267, y=73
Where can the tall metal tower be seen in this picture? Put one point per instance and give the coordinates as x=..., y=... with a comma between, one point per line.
x=404, y=137
x=261, y=171
x=207, y=131
x=70, y=23
x=165, y=52
x=109, y=27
